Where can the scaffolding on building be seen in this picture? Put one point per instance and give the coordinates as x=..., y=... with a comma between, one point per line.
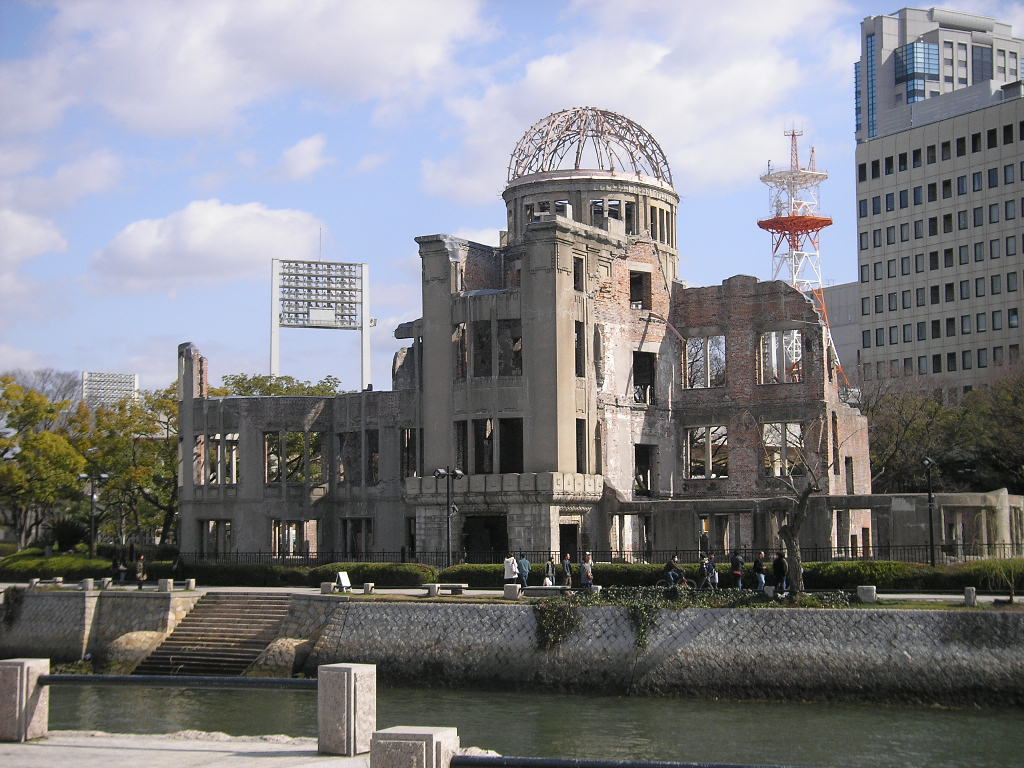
x=795, y=225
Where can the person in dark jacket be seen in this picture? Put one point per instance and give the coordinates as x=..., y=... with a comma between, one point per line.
x=524, y=570
x=567, y=571
x=759, y=571
x=780, y=569
x=736, y=565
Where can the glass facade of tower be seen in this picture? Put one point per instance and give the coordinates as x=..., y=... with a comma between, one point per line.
x=856, y=96
x=870, y=49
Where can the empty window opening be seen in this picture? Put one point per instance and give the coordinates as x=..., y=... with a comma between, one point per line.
x=615, y=209
x=644, y=366
x=708, y=451
x=580, y=343
x=783, y=449
x=781, y=357
x=211, y=453
x=510, y=448
x=316, y=459
x=835, y=431
x=562, y=208
x=481, y=348
x=704, y=362
x=848, y=469
x=272, y=457
x=544, y=207
x=459, y=351
x=214, y=537
x=350, y=452
x=483, y=446
x=461, y=446
x=596, y=211
x=644, y=469
x=654, y=223
x=293, y=538
x=408, y=463
x=630, y=210
x=510, y=347
x=356, y=536
x=578, y=270
x=639, y=290
x=294, y=447
x=581, y=446
x=372, y=457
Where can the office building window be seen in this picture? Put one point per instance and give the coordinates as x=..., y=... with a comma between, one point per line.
x=865, y=339
x=965, y=289
x=933, y=260
x=890, y=235
x=879, y=307
x=918, y=229
x=915, y=158
x=862, y=208
x=961, y=148
x=865, y=305
x=863, y=241
x=936, y=363
x=922, y=330
x=993, y=213
x=908, y=332
x=904, y=265
x=979, y=251
x=981, y=322
x=876, y=205
x=892, y=300
x=951, y=361
x=864, y=273
x=919, y=262
x=993, y=177
x=905, y=299
x=904, y=232
x=997, y=355
x=994, y=248
x=894, y=334
x=963, y=254
x=918, y=195
x=979, y=287
x=1012, y=318
x=1011, y=245
x=936, y=329
x=1008, y=169
x=1011, y=282
x=904, y=198
x=965, y=324
x=950, y=326
x=919, y=298
x=966, y=360
x=997, y=320
x=949, y=292
x=1010, y=211
x=890, y=201
x=979, y=216
x=976, y=181
x=876, y=238
x=947, y=257
x=983, y=358
x=961, y=219
x=922, y=364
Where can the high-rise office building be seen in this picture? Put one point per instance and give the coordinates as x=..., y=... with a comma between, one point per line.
x=939, y=194
x=107, y=389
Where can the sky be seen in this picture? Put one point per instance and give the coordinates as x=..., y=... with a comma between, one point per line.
x=155, y=156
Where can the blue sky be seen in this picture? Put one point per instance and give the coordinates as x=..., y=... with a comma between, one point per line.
x=154, y=156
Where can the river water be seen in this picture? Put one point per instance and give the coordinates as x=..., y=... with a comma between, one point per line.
x=562, y=725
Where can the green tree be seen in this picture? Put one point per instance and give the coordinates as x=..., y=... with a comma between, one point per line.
x=252, y=385
x=38, y=467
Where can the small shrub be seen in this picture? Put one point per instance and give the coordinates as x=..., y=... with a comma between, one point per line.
x=481, y=575
x=29, y=563
x=557, y=619
x=884, y=574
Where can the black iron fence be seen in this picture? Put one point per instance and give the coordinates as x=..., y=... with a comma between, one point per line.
x=914, y=553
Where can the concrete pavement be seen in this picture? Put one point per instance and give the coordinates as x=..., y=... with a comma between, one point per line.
x=185, y=749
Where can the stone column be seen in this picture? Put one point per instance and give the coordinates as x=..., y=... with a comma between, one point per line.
x=346, y=707
x=24, y=704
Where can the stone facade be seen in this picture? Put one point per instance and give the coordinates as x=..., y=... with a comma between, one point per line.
x=592, y=400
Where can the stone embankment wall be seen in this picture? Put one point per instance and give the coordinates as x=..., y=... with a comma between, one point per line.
x=65, y=624
x=951, y=657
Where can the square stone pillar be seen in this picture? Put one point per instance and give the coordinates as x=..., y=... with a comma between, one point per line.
x=409, y=746
x=346, y=707
x=24, y=703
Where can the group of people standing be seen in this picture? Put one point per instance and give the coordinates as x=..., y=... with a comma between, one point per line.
x=709, y=577
x=517, y=570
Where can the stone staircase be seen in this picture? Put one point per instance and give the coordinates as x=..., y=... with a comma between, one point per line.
x=222, y=635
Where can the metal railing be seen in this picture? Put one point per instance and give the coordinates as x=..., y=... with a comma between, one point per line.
x=499, y=761
x=184, y=681
x=913, y=553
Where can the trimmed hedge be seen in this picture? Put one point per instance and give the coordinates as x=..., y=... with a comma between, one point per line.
x=381, y=574
x=30, y=563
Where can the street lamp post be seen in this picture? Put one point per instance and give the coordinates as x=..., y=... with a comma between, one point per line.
x=928, y=464
x=93, y=479
x=449, y=474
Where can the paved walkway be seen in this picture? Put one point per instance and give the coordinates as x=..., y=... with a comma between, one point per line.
x=186, y=749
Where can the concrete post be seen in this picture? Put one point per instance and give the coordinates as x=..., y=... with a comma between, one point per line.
x=346, y=708
x=190, y=584
x=368, y=587
x=970, y=597
x=165, y=585
x=867, y=594
x=405, y=746
x=512, y=591
x=106, y=582
x=88, y=585
x=24, y=704
x=326, y=587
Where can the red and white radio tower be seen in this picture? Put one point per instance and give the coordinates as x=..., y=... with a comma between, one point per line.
x=795, y=227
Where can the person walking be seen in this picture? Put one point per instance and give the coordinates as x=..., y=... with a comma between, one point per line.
x=736, y=564
x=524, y=569
x=567, y=570
x=550, y=572
x=705, y=574
x=587, y=572
x=712, y=570
x=780, y=569
x=759, y=571
x=140, y=570
x=672, y=572
x=511, y=569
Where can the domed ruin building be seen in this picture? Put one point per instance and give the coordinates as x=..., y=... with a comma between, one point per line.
x=591, y=399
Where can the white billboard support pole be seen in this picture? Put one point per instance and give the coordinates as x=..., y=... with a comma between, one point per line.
x=364, y=331
x=275, y=318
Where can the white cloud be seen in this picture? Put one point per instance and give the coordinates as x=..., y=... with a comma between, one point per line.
x=23, y=237
x=371, y=162
x=207, y=242
x=716, y=109
x=72, y=181
x=15, y=159
x=192, y=65
x=305, y=158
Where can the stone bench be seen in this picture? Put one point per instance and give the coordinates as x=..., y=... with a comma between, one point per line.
x=433, y=590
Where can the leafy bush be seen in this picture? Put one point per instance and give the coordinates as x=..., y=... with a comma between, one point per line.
x=381, y=574
x=484, y=575
x=883, y=574
x=556, y=619
x=7, y=548
x=29, y=563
